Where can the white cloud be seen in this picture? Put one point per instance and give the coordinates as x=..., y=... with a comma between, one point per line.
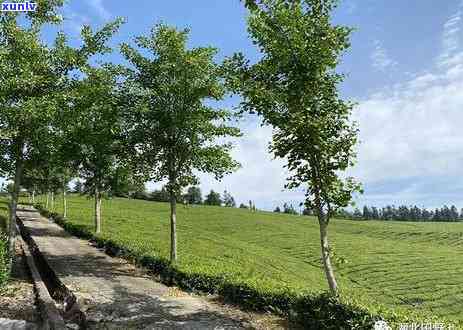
x=451, y=39
x=380, y=58
x=100, y=9
x=413, y=130
x=261, y=177
x=74, y=21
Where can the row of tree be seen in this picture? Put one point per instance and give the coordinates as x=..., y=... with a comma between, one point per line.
x=404, y=213
x=192, y=196
x=109, y=125
x=63, y=116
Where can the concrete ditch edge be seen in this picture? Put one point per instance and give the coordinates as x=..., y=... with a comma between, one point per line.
x=51, y=317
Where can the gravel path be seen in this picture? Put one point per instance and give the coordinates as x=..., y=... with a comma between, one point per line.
x=114, y=294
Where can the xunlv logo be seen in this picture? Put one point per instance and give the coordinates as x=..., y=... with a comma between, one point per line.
x=19, y=6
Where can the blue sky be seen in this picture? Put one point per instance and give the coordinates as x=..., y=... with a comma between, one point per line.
x=405, y=70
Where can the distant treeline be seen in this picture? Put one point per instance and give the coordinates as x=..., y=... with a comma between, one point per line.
x=192, y=196
x=404, y=213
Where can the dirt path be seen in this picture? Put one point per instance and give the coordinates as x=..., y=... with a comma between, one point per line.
x=114, y=294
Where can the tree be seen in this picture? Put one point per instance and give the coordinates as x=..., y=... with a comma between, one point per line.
x=277, y=210
x=35, y=77
x=32, y=180
x=294, y=87
x=39, y=170
x=453, y=213
x=57, y=170
x=252, y=206
x=437, y=215
x=29, y=75
x=289, y=209
x=242, y=206
x=374, y=213
x=172, y=126
x=445, y=213
x=366, y=213
x=193, y=195
x=126, y=183
x=228, y=199
x=425, y=215
x=213, y=198
x=93, y=140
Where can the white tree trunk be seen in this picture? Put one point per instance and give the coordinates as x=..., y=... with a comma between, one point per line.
x=97, y=211
x=323, y=221
x=33, y=196
x=173, y=227
x=329, y=272
x=48, y=198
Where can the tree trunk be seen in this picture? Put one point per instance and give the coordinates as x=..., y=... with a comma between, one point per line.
x=97, y=211
x=14, y=204
x=33, y=196
x=53, y=201
x=173, y=227
x=48, y=197
x=329, y=272
x=65, y=206
x=323, y=221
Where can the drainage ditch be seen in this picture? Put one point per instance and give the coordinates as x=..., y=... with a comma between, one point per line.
x=65, y=300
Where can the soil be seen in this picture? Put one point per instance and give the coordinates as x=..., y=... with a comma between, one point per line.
x=17, y=298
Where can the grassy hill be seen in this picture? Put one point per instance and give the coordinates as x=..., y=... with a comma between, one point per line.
x=402, y=265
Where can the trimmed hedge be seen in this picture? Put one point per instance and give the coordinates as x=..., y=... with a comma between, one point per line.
x=310, y=311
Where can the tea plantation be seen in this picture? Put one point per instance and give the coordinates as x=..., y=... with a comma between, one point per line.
x=406, y=267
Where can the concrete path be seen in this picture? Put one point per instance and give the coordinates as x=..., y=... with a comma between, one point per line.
x=115, y=295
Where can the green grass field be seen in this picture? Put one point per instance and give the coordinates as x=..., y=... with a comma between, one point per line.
x=402, y=265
